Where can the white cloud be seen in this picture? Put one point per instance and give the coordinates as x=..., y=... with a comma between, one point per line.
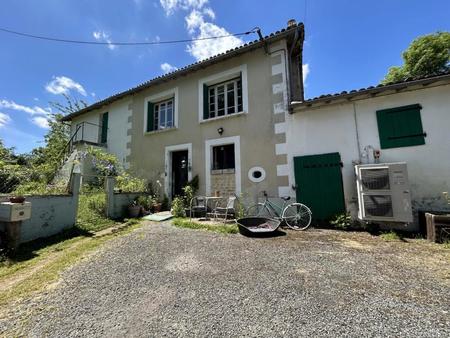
x=170, y=6
x=41, y=122
x=305, y=69
x=29, y=110
x=63, y=84
x=194, y=20
x=4, y=119
x=167, y=68
x=209, y=12
x=202, y=49
x=102, y=36
x=199, y=27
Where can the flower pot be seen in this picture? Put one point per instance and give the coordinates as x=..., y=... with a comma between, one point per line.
x=157, y=207
x=17, y=199
x=134, y=211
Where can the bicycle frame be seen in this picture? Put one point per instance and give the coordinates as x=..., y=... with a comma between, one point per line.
x=274, y=209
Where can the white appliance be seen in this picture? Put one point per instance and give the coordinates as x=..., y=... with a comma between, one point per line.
x=383, y=192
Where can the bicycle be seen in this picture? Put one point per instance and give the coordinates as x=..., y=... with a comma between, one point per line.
x=296, y=216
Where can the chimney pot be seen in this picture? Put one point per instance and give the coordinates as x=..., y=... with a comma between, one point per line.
x=291, y=23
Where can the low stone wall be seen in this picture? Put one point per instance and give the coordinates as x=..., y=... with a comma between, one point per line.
x=117, y=205
x=50, y=214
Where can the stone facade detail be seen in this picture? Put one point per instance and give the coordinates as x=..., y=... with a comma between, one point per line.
x=224, y=183
x=279, y=101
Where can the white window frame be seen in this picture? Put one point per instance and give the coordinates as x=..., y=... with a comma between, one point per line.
x=168, y=150
x=158, y=126
x=160, y=97
x=209, y=144
x=218, y=78
x=225, y=93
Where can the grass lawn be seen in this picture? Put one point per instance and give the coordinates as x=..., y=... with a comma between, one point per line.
x=39, y=263
x=91, y=212
x=222, y=228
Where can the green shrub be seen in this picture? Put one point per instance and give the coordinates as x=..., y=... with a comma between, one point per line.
x=178, y=207
x=342, y=221
x=188, y=195
x=391, y=236
x=127, y=183
x=91, y=212
x=165, y=203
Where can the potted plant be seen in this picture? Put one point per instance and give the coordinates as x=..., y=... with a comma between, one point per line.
x=157, y=206
x=134, y=209
x=17, y=199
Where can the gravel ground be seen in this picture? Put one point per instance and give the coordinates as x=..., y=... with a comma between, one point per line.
x=165, y=281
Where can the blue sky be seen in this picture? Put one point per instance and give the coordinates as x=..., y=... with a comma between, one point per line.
x=349, y=44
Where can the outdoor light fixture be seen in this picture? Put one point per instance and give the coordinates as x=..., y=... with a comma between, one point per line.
x=220, y=131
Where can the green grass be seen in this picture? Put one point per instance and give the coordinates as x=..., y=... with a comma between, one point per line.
x=91, y=212
x=221, y=228
x=391, y=236
x=47, y=252
x=446, y=244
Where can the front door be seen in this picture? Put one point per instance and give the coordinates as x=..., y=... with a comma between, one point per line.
x=179, y=171
x=319, y=184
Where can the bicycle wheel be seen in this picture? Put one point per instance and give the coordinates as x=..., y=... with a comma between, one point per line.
x=297, y=216
x=258, y=210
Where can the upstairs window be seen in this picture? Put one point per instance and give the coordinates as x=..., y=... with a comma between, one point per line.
x=104, y=128
x=222, y=99
x=160, y=115
x=223, y=157
x=400, y=127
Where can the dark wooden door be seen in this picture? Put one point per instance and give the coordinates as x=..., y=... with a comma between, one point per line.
x=319, y=184
x=179, y=171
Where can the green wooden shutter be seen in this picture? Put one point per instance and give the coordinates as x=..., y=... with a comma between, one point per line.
x=318, y=180
x=150, y=116
x=205, y=102
x=104, y=134
x=400, y=127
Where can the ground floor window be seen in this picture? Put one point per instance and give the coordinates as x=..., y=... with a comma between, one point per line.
x=223, y=157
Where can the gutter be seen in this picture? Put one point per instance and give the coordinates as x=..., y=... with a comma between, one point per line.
x=372, y=91
x=248, y=47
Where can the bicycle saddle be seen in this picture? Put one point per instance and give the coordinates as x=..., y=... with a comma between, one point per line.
x=286, y=198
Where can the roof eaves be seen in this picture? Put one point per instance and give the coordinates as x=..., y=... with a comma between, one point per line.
x=188, y=69
x=371, y=91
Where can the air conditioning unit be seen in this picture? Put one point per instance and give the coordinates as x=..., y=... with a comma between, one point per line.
x=383, y=192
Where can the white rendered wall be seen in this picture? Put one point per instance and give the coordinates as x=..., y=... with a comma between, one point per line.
x=331, y=128
x=118, y=125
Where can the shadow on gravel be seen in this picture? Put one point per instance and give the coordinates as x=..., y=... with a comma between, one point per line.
x=28, y=250
x=278, y=233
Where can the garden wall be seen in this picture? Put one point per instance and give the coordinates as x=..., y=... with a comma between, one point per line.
x=50, y=214
x=117, y=203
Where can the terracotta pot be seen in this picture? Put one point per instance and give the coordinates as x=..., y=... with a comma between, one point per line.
x=157, y=207
x=134, y=211
x=17, y=199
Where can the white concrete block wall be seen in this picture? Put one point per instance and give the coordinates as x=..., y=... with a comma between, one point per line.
x=118, y=124
x=331, y=128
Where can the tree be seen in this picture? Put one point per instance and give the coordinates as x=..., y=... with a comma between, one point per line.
x=426, y=55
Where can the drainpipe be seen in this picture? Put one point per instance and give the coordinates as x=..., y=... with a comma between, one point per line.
x=357, y=132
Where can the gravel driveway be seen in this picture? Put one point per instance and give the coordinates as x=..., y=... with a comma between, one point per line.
x=165, y=281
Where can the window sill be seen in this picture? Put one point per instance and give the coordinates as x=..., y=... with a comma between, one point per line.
x=223, y=117
x=159, y=131
x=222, y=171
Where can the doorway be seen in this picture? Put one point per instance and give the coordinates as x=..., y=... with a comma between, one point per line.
x=179, y=172
x=319, y=184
